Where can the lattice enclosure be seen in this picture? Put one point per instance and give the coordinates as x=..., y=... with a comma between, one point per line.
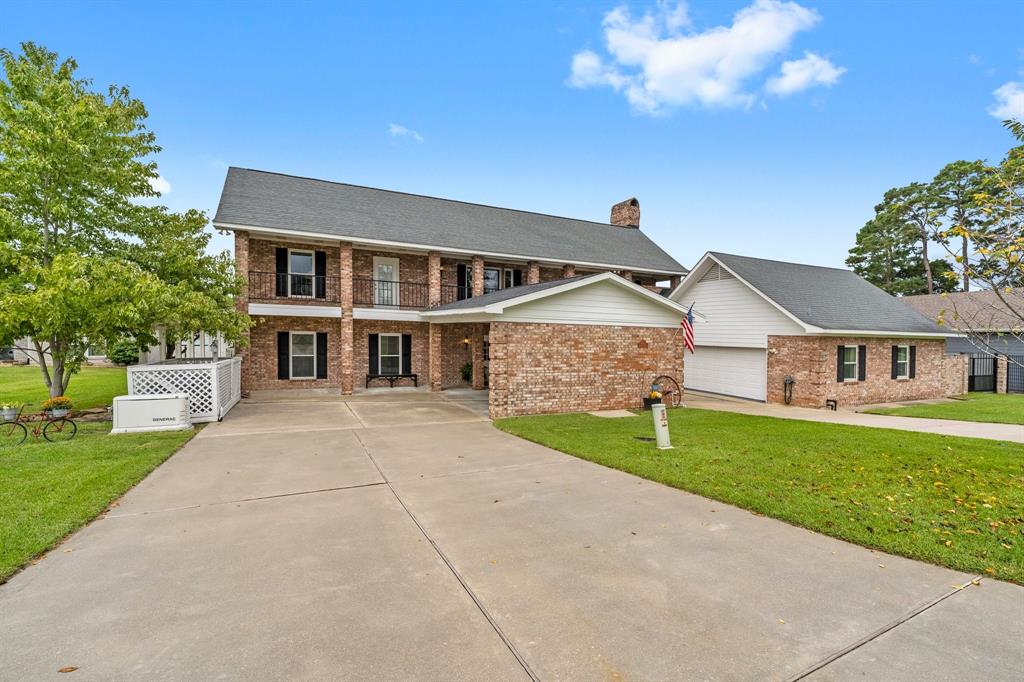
x=213, y=387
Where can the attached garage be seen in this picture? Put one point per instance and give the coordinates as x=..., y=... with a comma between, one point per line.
x=592, y=342
x=739, y=372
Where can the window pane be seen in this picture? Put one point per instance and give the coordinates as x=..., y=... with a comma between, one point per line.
x=302, y=285
x=901, y=354
x=389, y=364
x=491, y=279
x=302, y=366
x=301, y=263
x=303, y=344
x=390, y=345
x=850, y=354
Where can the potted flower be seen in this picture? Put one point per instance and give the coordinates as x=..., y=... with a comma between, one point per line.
x=58, y=407
x=653, y=396
x=9, y=411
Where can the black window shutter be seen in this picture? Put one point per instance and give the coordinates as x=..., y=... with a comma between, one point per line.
x=517, y=278
x=281, y=270
x=320, y=269
x=406, y=367
x=895, y=361
x=463, y=290
x=913, y=361
x=839, y=363
x=862, y=363
x=282, y=355
x=321, y=355
x=374, y=355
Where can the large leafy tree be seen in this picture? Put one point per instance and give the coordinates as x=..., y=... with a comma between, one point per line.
x=914, y=208
x=955, y=191
x=81, y=259
x=884, y=255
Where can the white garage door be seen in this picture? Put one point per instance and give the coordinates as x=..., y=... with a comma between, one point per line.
x=737, y=372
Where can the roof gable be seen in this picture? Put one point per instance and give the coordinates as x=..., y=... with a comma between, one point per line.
x=821, y=298
x=272, y=201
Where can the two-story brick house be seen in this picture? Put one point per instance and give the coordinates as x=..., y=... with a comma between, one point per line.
x=351, y=287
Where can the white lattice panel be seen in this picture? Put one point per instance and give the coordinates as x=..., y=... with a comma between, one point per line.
x=213, y=387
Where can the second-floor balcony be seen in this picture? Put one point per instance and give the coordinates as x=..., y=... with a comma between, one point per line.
x=271, y=287
x=380, y=293
x=281, y=287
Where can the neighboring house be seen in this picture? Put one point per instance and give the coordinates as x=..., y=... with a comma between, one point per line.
x=992, y=327
x=837, y=336
x=352, y=287
x=199, y=345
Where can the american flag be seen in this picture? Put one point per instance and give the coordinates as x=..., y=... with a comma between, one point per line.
x=688, y=329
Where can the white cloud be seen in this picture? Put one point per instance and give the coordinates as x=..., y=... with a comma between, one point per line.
x=801, y=74
x=160, y=184
x=396, y=131
x=1009, y=101
x=658, y=61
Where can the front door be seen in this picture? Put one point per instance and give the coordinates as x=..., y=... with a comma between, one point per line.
x=385, y=281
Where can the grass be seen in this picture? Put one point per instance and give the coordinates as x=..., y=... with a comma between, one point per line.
x=92, y=387
x=995, y=408
x=48, y=490
x=957, y=502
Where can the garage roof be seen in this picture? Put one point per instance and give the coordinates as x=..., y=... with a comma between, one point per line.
x=260, y=199
x=823, y=299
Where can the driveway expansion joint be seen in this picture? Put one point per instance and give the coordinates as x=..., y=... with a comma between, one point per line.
x=247, y=499
x=451, y=567
x=889, y=627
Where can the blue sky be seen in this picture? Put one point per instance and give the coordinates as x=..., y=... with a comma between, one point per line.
x=754, y=127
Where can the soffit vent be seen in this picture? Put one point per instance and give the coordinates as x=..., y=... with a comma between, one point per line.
x=715, y=273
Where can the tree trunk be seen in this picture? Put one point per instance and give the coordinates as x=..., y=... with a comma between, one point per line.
x=966, y=265
x=58, y=383
x=927, y=263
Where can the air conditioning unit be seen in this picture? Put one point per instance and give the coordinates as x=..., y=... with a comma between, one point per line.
x=164, y=412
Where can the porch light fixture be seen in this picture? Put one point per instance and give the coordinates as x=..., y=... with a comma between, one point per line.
x=466, y=341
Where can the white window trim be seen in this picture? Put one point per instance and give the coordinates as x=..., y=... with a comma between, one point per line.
x=311, y=274
x=906, y=363
x=398, y=278
x=509, y=275
x=856, y=365
x=291, y=354
x=380, y=354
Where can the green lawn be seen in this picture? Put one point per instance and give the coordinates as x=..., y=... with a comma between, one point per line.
x=92, y=387
x=48, y=490
x=958, y=502
x=974, y=407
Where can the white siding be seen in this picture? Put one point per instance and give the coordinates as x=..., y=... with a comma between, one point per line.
x=734, y=315
x=601, y=303
x=740, y=372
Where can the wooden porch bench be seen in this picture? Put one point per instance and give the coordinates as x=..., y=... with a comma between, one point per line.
x=392, y=378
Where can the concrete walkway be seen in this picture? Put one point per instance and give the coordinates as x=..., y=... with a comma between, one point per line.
x=945, y=427
x=406, y=538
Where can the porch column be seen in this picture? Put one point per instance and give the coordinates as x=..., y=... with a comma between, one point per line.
x=568, y=270
x=478, y=276
x=346, y=326
x=532, y=272
x=436, y=357
x=433, y=279
x=478, y=356
x=241, y=305
x=1002, y=373
x=674, y=281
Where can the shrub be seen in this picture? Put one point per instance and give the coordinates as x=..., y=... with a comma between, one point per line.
x=124, y=352
x=467, y=372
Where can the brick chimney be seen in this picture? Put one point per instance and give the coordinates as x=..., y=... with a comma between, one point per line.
x=626, y=213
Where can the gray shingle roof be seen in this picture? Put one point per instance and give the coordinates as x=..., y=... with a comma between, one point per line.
x=830, y=298
x=506, y=294
x=286, y=202
x=977, y=310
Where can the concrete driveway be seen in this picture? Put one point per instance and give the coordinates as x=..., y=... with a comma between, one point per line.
x=401, y=536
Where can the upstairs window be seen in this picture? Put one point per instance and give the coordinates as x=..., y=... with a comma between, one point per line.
x=300, y=273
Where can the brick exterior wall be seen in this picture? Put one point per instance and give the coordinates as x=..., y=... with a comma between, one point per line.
x=455, y=353
x=411, y=267
x=361, y=348
x=811, y=361
x=263, y=352
x=262, y=258
x=242, y=305
x=544, y=368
